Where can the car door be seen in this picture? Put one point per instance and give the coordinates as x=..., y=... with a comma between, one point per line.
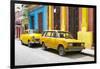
x=47, y=39
x=53, y=40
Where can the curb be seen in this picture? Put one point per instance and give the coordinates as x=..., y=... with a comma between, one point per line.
x=88, y=52
x=92, y=55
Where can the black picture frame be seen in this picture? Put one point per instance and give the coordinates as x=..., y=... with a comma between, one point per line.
x=12, y=33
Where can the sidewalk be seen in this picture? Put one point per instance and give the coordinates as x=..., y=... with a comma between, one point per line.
x=88, y=52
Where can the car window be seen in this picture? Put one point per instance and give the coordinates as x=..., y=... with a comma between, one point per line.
x=31, y=31
x=65, y=35
x=61, y=35
x=48, y=34
x=43, y=34
x=53, y=34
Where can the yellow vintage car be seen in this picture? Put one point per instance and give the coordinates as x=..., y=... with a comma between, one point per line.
x=30, y=37
x=61, y=41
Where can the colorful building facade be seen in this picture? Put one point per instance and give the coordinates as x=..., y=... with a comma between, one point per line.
x=76, y=20
x=18, y=24
x=38, y=19
x=18, y=20
x=25, y=20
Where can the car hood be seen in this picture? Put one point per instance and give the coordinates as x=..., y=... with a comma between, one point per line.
x=73, y=40
x=36, y=35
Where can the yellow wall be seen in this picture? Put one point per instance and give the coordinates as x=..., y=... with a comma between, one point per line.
x=63, y=18
x=84, y=35
x=50, y=17
x=84, y=19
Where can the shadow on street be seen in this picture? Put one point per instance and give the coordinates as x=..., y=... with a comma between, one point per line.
x=33, y=46
x=73, y=55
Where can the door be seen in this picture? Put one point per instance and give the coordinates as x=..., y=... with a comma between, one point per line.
x=56, y=17
x=40, y=22
x=73, y=21
x=53, y=39
x=32, y=18
x=48, y=39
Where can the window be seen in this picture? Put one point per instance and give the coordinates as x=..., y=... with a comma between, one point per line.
x=48, y=34
x=53, y=34
x=65, y=35
x=43, y=33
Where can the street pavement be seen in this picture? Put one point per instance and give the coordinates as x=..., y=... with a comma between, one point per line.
x=34, y=55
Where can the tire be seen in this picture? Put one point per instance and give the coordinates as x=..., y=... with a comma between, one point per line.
x=79, y=51
x=22, y=42
x=29, y=45
x=61, y=51
x=44, y=47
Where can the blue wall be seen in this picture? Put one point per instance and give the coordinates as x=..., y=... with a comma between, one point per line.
x=35, y=13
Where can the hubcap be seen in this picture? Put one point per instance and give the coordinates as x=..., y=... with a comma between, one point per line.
x=61, y=51
x=43, y=46
x=29, y=44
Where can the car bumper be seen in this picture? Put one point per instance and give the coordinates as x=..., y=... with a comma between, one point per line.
x=37, y=42
x=69, y=49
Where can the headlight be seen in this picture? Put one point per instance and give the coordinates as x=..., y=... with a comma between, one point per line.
x=70, y=44
x=82, y=44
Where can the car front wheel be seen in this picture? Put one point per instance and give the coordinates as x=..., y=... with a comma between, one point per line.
x=29, y=44
x=61, y=51
x=44, y=47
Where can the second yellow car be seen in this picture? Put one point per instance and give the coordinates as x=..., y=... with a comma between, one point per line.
x=29, y=38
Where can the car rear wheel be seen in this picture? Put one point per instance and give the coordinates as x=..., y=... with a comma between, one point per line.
x=44, y=47
x=61, y=51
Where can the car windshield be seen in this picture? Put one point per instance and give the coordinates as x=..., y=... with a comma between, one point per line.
x=31, y=32
x=64, y=35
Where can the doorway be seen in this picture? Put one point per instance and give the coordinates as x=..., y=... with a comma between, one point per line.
x=40, y=22
x=56, y=17
x=73, y=21
x=32, y=18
